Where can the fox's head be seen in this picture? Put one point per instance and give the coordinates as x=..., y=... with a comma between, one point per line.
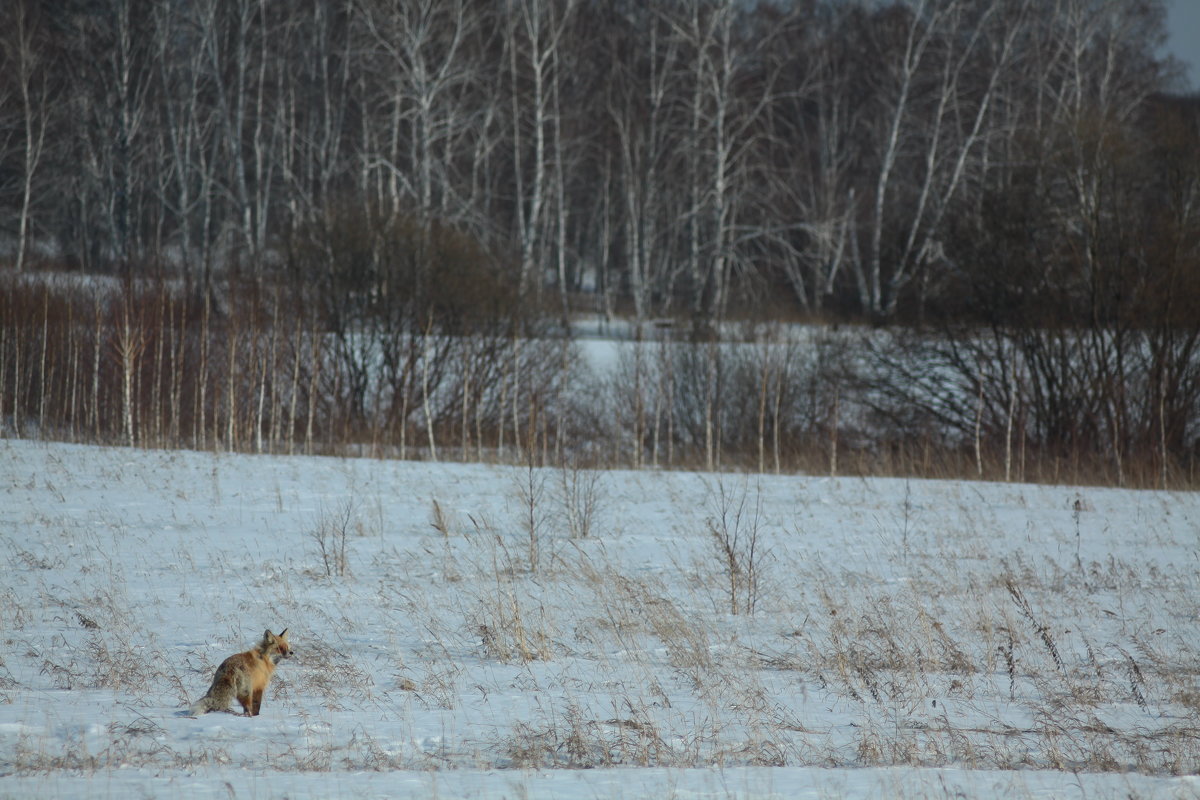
x=275, y=646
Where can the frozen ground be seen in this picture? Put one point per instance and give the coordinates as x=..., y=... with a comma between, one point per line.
x=479, y=631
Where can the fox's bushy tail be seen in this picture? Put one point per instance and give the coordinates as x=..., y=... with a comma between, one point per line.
x=202, y=706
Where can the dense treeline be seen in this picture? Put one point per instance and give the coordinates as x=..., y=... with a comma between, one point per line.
x=357, y=217
x=675, y=157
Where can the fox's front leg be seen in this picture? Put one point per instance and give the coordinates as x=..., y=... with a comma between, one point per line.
x=256, y=702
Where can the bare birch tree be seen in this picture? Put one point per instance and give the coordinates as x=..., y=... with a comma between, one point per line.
x=26, y=58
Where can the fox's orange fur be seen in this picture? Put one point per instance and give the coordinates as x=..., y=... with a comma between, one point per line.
x=245, y=676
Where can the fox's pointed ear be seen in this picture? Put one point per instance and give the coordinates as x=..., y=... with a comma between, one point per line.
x=267, y=635
x=283, y=633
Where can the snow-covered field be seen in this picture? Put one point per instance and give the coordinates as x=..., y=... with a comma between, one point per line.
x=482, y=631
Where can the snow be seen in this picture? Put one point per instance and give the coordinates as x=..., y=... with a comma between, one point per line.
x=915, y=638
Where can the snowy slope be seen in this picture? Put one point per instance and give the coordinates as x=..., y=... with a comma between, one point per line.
x=906, y=638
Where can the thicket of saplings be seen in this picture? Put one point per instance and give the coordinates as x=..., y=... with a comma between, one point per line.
x=392, y=339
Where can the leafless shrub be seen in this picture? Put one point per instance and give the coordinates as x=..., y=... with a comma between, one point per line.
x=330, y=533
x=735, y=528
x=530, y=491
x=580, y=492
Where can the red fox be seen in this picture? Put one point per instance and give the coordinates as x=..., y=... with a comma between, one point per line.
x=245, y=676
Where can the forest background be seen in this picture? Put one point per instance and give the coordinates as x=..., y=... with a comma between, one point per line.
x=934, y=237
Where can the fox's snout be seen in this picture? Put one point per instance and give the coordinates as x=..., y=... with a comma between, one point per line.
x=283, y=649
